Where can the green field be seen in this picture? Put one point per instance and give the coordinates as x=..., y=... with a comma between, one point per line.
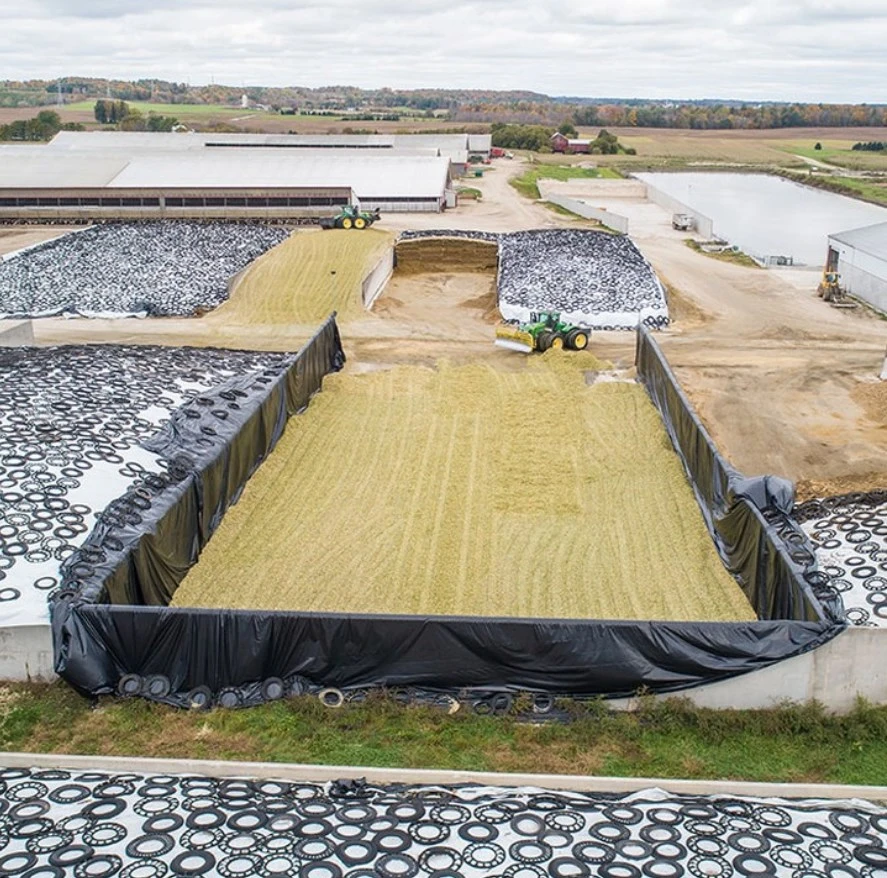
x=838, y=152
x=179, y=110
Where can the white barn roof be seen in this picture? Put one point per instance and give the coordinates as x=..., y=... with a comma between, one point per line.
x=370, y=174
x=37, y=168
x=369, y=177
x=869, y=239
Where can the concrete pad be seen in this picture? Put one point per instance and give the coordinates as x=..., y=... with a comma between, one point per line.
x=322, y=773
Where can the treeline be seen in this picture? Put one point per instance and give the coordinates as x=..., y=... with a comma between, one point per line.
x=871, y=146
x=460, y=105
x=533, y=137
x=44, y=126
x=537, y=138
x=686, y=116
x=127, y=118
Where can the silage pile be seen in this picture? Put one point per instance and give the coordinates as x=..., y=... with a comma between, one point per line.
x=849, y=535
x=592, y=278
x=445, y=255
x=157, y=269
x=471, y=491
x=74, y=426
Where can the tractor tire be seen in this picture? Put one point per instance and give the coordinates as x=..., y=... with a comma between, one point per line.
x=557, y=343
x=577, y=339
x=360, y=223
x=347, y=222
x=338, y=223
x=544, y=340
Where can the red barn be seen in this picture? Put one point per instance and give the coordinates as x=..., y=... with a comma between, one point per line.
x=559, y=143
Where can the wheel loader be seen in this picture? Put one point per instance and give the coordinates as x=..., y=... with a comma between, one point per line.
x=351, y=217
x=544, y=331
x=830, y=287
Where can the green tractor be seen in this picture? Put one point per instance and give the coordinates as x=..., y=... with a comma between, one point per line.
x=351, y=217
x=545, y=330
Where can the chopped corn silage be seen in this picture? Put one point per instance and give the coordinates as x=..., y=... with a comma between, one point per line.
x=306, y=277
x=471, y=491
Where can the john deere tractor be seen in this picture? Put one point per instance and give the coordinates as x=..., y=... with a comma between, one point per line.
x=545, y=330
x=351, y=217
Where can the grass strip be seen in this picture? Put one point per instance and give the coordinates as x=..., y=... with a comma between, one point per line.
x=527, y=183
x=799, y=743
x=737, y=257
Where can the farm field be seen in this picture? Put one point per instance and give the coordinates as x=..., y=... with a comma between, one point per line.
x=772, y=147
x=471, y=490
x=180, y=110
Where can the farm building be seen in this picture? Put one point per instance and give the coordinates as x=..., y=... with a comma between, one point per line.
x=458, y=148
x=860, y=257
x=560, y=143
x=86, y=184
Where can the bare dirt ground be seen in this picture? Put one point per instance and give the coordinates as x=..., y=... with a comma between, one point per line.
x=773, y=370
x=14, y=238
x=781, y=379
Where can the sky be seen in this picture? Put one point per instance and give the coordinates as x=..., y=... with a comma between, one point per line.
x=778, y=50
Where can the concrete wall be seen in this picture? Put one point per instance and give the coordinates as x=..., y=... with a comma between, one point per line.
x=375, y=281
x=608, y=218
x=26, y=653
x=594, y=187
x=704, y=224
x=852, y=664
x=15, y=333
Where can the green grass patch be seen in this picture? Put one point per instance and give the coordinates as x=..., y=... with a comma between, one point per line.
x=864, y=189
x=838, y=152
x=737, y=257
x=663, y=739
x=526, y=183
x=469, y=192
x=178, y=110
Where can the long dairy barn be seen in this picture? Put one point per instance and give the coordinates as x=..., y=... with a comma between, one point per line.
x=181, y=176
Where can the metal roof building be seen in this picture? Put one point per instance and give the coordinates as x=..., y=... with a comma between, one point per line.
x=456, y=147
x=178, y=173
x=444, y=144
x=860, y=257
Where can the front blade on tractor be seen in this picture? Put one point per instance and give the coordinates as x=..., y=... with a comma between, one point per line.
x=514, y=339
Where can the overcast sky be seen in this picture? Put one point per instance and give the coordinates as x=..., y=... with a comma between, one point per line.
x=809, y=50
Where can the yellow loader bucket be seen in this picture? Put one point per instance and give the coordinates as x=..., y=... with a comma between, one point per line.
x=513, y=338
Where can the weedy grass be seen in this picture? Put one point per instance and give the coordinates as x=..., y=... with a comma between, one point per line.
x=670, y=738
x=737, y=257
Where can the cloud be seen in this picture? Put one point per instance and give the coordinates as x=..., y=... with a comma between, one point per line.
x=828, y=50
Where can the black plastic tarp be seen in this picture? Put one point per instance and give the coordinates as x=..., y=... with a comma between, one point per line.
x=767, y=553
x=222, y=649
x=104, y=633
